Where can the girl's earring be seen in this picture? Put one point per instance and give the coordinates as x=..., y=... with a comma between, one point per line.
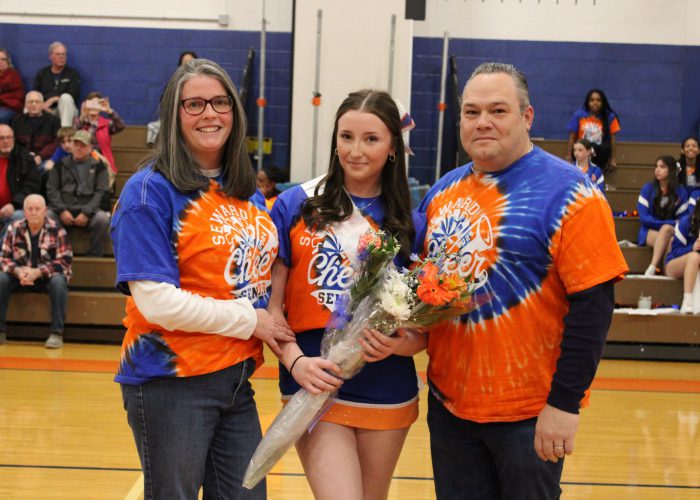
x=392, y=157
x=336, y=151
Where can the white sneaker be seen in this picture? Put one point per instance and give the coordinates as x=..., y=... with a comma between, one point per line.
x=55, y=341
x=3, y=338
x=687, y=306
x=651, y=271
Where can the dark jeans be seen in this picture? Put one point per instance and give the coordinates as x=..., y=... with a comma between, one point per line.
x=194, y=432
x=488, y=461
x=57, y=288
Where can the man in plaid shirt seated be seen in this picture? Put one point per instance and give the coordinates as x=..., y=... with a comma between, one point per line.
x=36, y=257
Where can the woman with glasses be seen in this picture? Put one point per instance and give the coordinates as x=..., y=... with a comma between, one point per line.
x=194, y=247
x=11, y=88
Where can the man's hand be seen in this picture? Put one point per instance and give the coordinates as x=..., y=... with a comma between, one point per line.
x=48, y=103
x=67, y=218
x=554, y=433
x=81, y=220
x=29, y=275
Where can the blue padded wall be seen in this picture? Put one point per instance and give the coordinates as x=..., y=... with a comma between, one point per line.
x=653, y=88
x=132, y=65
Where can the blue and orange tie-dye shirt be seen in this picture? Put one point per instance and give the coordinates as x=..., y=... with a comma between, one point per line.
x=203, y=242
x=528, y=236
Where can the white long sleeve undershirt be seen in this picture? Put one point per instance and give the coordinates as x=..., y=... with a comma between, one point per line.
x=172, y=308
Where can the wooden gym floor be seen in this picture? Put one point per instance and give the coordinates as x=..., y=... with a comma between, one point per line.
x=63, y=432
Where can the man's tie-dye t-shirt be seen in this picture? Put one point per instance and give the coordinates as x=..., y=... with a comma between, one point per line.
x=528, y=236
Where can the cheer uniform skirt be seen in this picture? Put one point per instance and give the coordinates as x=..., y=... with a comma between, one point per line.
x=383, y=395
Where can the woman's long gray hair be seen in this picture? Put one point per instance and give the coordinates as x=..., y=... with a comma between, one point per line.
x=172, y=158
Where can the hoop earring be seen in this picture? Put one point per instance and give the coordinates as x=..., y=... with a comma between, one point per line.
x=392, y=157
x=336, y=151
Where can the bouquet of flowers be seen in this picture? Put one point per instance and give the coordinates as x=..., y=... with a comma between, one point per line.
x=382, y=298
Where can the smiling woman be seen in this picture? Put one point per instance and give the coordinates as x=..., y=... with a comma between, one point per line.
x=188, y=229
x=356, y=444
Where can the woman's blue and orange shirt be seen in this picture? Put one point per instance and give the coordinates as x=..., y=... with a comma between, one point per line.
x=528, y=236
x=203, y=242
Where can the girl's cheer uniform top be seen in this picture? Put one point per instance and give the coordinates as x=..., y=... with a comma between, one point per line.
x=645, y=208
x=595, y=174
x=527, y=236
x=203, y=242
x=383, y=395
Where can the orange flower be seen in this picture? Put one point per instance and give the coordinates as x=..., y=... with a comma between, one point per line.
x=454, y=283
x=433, y=294
x=429, y=273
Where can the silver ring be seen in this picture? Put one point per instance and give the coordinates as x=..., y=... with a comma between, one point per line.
x=558, y=447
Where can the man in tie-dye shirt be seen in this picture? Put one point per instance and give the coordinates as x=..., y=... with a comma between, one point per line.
x=507, y=380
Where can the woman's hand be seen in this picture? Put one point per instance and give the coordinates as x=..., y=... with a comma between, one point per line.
x=316, y=375
x=270, y=330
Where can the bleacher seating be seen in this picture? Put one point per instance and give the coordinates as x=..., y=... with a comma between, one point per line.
x=95, y=309
x=664, y=336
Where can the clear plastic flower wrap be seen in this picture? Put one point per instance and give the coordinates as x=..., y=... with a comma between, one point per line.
x=381, y=298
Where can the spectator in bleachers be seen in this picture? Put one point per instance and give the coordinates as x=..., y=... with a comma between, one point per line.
x=60, y=85
x=102, y=121
x=11, y=88
x=78, y=192
x=36, y=129
x=19, y=177
x=659, y=205
x=583, y=151
x=65, y=146
x=597, y=122
x=688, y=174
x=153, y=128
x=684, y=258
x=267, y=179
x=36, y=257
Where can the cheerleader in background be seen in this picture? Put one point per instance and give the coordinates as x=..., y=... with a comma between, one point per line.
x=688, y=175
x=660, y=204
x=683, y=260
x=597, y=122
x=583, y=151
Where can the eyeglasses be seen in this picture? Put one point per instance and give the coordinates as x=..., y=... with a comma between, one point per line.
x=6, y=137
x=196, y=105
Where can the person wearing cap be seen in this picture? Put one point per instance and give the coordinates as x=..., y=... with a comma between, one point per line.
x=35, y=256
x=78, y=192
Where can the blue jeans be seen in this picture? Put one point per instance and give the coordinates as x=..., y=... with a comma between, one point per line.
x=194, y=432
x=488, y=461
x=57, y=288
